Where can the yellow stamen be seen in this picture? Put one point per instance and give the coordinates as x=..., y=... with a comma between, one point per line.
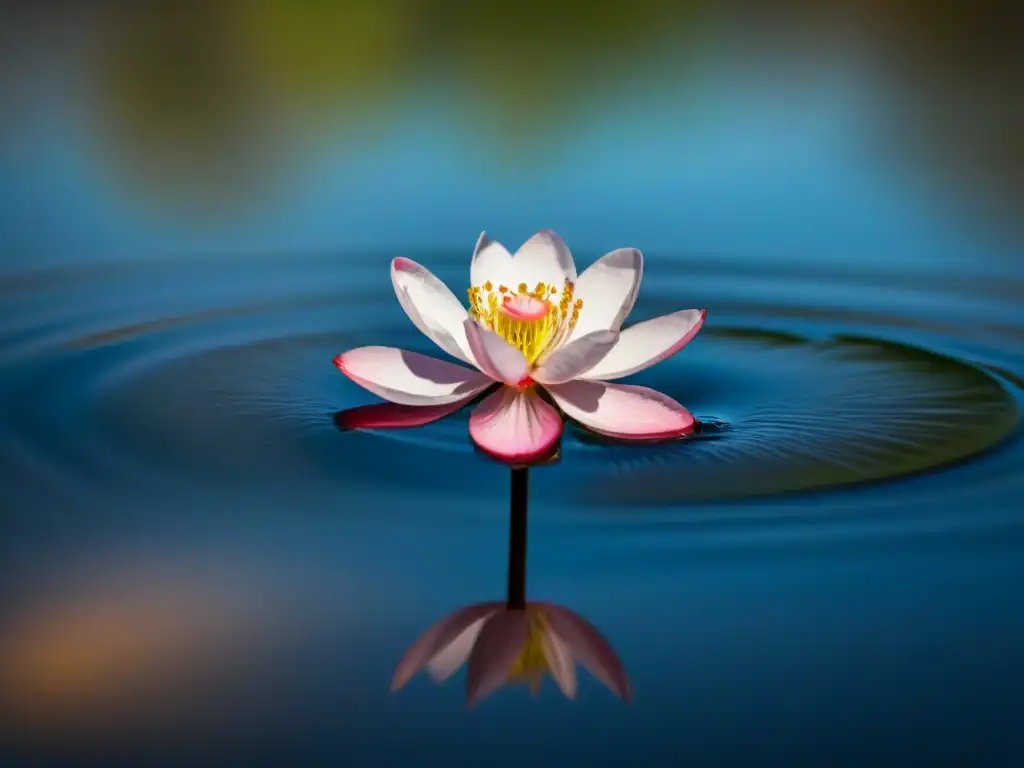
x=531, y=336
x=532, y=662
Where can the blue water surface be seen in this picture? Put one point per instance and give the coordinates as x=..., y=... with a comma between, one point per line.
x=198, y=567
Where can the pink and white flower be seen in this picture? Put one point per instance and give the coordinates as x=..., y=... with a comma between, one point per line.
x=510, y=645
x=531, y=324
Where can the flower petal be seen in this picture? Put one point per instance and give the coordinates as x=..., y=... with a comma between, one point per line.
x=575, y=358
x=589, y=646
x=608, y=288
x=497, y=648
x=544, y=258
x=495, y=356
x=644, y=344
x=449, y=659
x=394, y=416
x=432, y=307
x=437, y=638
x=624, y=411
x=515, y=426
x=488, y=257
x=410, y=378
x=560, y=662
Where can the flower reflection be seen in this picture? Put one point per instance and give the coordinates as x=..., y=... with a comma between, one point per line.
x=513, y=645
x=516, y=640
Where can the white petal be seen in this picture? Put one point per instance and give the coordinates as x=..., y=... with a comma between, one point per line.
x=495, y=356
x=644, y=344
x=432, y=307
x=488, y=257
x=410, y=378
x=454, y=655
x=560, y=662
x=608, y=288
x=622, y=410
x=544, y=258
x=575, y=358
x=515, y=426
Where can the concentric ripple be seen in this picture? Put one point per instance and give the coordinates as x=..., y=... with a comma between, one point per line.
x=241, y=390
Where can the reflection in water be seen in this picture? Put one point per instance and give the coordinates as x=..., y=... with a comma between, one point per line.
x=126, y=650
x=193, y=102
x=516, y=640
x=183, y=111
x=959, y=108
x=201, y=100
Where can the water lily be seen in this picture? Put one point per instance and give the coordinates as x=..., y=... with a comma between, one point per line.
x=511, y=645
x=531, y=324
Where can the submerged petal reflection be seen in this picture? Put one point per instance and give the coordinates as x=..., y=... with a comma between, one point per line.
x=515, y=641
x=505, y=645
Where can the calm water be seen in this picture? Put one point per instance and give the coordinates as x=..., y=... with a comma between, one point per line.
x=197, y=566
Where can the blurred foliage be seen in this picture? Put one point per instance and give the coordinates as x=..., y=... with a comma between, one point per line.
x=963, y=63
x=207, y=92
x=322, y=50
x=204, y=96
x=179, y=101
x=953, y=73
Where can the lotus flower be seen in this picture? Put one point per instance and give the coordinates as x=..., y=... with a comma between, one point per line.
x=531, y=323
x=513, y=645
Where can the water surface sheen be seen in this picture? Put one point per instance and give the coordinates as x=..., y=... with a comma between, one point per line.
x=847, y=520
x=214, y=372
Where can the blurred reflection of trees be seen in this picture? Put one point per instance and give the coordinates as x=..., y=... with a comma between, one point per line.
x=178, y=102
x=960, y=64
x=955, y=106
x=206, y=97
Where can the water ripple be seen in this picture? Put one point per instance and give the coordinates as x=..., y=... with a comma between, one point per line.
x=222, y=375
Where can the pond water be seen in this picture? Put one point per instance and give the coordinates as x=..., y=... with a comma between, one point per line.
x=198, y=566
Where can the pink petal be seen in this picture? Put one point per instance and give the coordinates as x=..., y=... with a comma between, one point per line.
x=644, y=344
x=410, y=378
x=560, y=662
x=432, y=307
x=394, y=416
x=495, y=356
x=497, y=649
x=515, y=426
x=589, y=646
x=544, y=258
x=445, y=663
x=608, y=288
x=575, y=358
x=622, y=410
x=438, y=637
x=488, y=257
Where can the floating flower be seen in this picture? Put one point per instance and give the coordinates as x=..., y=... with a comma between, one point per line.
x=511, y=645
x=531, y=324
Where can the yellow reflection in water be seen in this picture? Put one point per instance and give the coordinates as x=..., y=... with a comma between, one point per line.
x=136, y=648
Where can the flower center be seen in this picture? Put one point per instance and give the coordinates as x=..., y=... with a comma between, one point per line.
x=528, y=320
x=532, y=663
